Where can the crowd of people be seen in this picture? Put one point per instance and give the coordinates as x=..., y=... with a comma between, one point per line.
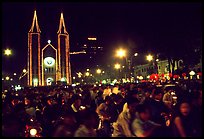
x=120, y=110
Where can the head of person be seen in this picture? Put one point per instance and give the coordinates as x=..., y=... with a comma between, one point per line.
x=69, y=119
x=89, y=118
x=108, y=100
x=147, y=93
x=76, y=99
x=132, y=102
x=143, y=112
x=184, y=107
x=158, y=94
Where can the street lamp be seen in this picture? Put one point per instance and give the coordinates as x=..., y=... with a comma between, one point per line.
x=24, y=70
x=121, y=53
x=98, y=71
x=131, y=64
x=7, y=52
x=149, y=57
x=7, y=77
x=87, y=73
x=117, y=66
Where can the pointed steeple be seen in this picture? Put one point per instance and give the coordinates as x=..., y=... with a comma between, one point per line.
x=62, y=28
x=35, y=24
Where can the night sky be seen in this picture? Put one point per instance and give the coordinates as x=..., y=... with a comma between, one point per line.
x=141, y=27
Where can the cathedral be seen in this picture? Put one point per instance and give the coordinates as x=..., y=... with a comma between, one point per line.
x=48, y=64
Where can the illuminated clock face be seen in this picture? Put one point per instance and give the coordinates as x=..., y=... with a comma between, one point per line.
x=49, y=61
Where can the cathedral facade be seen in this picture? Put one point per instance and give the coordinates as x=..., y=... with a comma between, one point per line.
x=48, y=64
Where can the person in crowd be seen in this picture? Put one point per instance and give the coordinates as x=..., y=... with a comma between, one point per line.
x=168, y=98
x=99, y=98
x=66, y=127
x=108, y=113
x=122, y=127
x=157, y=106
x=75, y=107
x=106, y=91
x=142, y=126
x=119, y=102
x=88, y=125
x=12, y=126
x=197, y=111
x=51, y=112
x=184, y=122
x=115, y=89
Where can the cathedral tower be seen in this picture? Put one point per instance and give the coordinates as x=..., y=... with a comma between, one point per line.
x=34, y=65
x=64, y=67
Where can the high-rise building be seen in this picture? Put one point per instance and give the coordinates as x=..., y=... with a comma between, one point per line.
x=92, y=46
x=48, y=64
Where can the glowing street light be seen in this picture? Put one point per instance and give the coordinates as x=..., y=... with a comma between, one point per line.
x=79, y=74
x=7, y=77
x=24, y=70
x=87, y=73
x=149, y=57
x=192, y=73
x=98, y=71
x=117, y=66
x=121, y=53
x=7, y=52
x=136, y=54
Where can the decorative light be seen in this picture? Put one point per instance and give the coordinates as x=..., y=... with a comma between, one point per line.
x=7, y=77
x=24, y=70
x=157, y=59
x=136, y=54
x=117, y=66
x=74, y=77
x=121, y=53
x=92, y=39
x=63, y=79
x=87, y=69
x=33, y=132
x=49, y=41
x=98, y=71
x=149, y=57
x=87, y=73
x=192, y=73
x=7, y=52
x=35, y=80
x=49, y=61
x=14, y=74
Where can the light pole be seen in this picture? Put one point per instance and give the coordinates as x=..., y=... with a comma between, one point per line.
x=154, y=62
x=117, y=67
x=131, y=64
x=121, y=53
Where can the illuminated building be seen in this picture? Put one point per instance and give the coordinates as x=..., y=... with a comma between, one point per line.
x=91, y=46
x=48, y=64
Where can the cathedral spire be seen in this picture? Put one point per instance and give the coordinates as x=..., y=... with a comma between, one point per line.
x=61, y=26
x=35, y=24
